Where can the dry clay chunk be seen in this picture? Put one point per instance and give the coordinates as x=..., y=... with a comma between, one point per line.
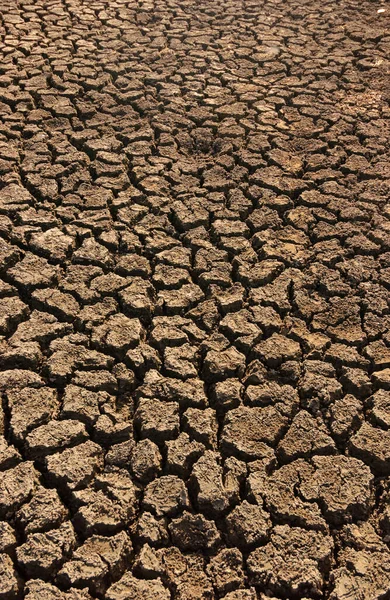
x=148, y=564
x=293, y=563
x=362, y=574
x=10, y=582
x=194, y=532
x=152, y=530
x=96, y=558
x=16, y=486
x=145, y=460
x=117, y=334
x=53, y=243
x=305, y=437
x=202, y=425
x=81, y=404
x=279, y=491
x=380, y=408
x=12, y=312
x=42, y=553
x=158, y=420
x=54, y=436
x=182, y=453
x=226, y=570
x=16, y=379
x=7, y=538
x=75, y=467
x=247, y=525
x=166, y=496
x=208, y=483
x=278, y=349
x=129, y=587
x=108, y=504
x=249, y=594
x=33, y=271
x=372, y=445
x=187, y=393
x=248, y=432
x=37, y=589
x=342, y=487
x=186, y=575
x=30, y=408
x=338, y=486
x=63, y=306
x=9, y=456
x=221, y=365
x=44, y=511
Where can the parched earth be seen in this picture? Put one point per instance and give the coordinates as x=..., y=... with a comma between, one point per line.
x=194, y=300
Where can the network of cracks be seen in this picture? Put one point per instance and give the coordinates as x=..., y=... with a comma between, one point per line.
x=194, y=300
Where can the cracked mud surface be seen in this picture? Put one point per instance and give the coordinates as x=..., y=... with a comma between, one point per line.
x=194, y=300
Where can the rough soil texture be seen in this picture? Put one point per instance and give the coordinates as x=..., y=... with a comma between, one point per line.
x=194, y=300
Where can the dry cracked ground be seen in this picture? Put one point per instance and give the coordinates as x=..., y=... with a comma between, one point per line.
x=194, y=300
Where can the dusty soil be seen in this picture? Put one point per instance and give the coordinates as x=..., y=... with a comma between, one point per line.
x=194, y=300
